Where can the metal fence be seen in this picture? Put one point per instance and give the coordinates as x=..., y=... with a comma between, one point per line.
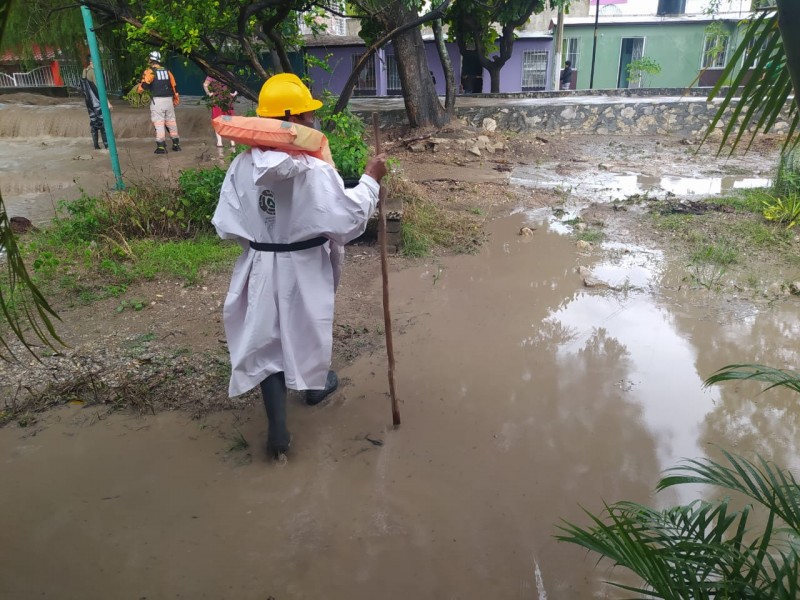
x=71, y=72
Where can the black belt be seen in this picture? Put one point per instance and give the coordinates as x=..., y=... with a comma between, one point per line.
x=293, y=247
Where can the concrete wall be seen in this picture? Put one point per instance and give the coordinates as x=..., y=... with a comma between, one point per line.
x=686, y=118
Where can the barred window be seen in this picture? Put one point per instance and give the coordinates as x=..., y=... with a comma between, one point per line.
x=534, y=69
x=365, y=86
x=715, y=51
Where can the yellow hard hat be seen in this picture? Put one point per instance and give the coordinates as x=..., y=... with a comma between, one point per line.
x=284, y=94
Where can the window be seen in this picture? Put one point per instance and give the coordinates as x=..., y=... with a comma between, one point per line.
x=366, y=79
x=339, y=26
x=393, y=85
x=571, y=52
x=715, y=51
x=534, y=69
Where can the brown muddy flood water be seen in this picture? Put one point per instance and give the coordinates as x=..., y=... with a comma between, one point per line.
x=524, y=394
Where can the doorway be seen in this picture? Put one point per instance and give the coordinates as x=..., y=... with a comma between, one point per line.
x=632, y=49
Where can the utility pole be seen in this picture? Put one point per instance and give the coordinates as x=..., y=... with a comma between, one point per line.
x=555, y=71
x=594, y=45
x=94, y=51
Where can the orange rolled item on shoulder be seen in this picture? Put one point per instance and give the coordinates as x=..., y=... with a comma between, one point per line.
x=272, y=133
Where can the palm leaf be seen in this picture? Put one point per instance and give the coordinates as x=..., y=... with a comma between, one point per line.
x=21, y=303
x=766, y=484
x=704, y=549
x=744, y=372
x=763, y=86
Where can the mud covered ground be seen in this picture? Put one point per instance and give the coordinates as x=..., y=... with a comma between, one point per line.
x=557, y=366
x=172, y=353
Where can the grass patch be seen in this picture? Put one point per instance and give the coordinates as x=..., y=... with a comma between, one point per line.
x=182, y=259
x=427, y=227
x=674, y=222
x=96, y=247
x=722, y=253
x=593, y=236
x=757, y=233
x=747, y=200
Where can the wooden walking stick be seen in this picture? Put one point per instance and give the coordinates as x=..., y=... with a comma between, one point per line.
x=387, y=316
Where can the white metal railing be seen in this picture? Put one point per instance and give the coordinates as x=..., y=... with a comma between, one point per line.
x=71, y=72
x=39, y=77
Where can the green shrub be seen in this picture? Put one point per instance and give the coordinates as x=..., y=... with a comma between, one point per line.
x=787, y=181
x=199, y=195
x=345, y=133
x=785, y=210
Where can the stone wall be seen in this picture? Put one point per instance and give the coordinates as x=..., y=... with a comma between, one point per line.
x=679, y=116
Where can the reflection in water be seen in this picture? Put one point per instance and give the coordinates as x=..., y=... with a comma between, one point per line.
x=606, y=186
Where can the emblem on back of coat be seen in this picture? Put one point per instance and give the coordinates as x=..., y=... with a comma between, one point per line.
x=266, y=202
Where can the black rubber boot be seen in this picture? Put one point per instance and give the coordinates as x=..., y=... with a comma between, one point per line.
x=273, y=388
x=105, y=139
x=161, y=148
x=176, y=144
x=316, y=396
x=94, y=139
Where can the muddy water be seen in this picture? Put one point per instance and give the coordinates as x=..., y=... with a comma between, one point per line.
x=46, y=153
x=524, y=394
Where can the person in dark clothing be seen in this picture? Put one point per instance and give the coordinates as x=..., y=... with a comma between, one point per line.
x=92, y=98
x=566, y=76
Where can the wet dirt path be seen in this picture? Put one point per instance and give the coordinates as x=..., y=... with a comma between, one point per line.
x=524, y=395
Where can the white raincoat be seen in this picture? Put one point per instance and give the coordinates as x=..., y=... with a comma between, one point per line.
x=278, y=314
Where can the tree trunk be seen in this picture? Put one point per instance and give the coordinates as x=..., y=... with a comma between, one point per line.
x=789, y=24
x=447, y=66
x=422, y=104
x=494, y=77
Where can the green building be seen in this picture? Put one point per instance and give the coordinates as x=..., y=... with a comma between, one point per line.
x=690, y=49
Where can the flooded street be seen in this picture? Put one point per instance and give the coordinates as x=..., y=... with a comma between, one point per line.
x=524, y=395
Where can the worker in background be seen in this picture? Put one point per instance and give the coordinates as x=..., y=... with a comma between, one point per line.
x=161, y=85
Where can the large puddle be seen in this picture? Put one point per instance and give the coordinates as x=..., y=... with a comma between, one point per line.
x=524, y=395
x=606, y=186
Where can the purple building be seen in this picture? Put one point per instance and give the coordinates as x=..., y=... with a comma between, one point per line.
x=528, y=69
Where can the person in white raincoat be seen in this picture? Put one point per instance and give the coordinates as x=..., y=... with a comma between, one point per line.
x=292, y=215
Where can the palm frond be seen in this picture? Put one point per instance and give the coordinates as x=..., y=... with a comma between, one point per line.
x=755, y=372
x=22, y=305
x=763, y=86
x=764, y=483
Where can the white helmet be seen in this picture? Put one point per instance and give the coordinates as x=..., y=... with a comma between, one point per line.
x=155, y=55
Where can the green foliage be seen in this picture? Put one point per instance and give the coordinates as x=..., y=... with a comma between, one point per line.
x=754, y=103
x=640, y=67
x=200, y=190
x=721, y=253
x=96, y=247
x=489, y=26
x=346, y=134
x=33, y=23
x=784, y=210
x=708, y=549
x=182, y=259
x=137, y=100
x=783, y=205
x=787, y=181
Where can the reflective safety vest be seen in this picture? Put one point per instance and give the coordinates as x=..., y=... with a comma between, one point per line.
x=162, y=83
